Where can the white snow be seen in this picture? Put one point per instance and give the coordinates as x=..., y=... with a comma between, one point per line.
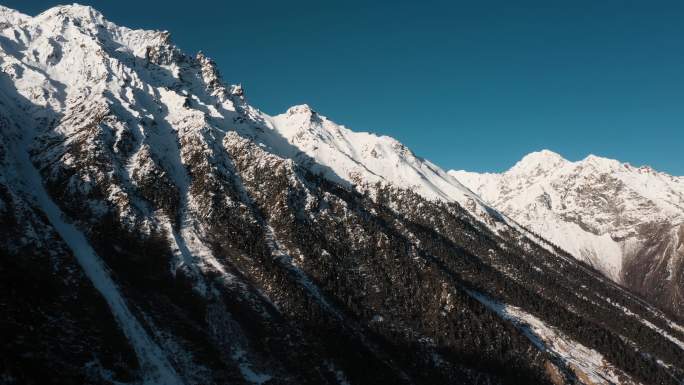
x=590, y=208
x=363, y=159
x=11, y=17
x=587, y=363
x=70, y=55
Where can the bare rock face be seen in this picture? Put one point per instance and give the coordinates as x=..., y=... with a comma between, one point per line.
x=654, y=267
x=622, y=220
x=155, y=228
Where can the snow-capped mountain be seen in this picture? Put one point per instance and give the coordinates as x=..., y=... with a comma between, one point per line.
x=364, y=160
x=626, y=221
x=155, y=228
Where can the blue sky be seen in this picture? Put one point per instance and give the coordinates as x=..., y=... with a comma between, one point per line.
x=467, y=84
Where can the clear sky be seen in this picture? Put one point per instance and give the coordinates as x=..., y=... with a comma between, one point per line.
x=467, y=84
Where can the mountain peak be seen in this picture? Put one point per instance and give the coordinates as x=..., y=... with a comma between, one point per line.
x=9, y=16
x=543, y=159
x=301, y=109
x=542, y=154
x=75, y=11
x=601, y=162
x=595, y=158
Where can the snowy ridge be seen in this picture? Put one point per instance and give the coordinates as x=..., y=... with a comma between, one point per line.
x=70, y=55
x=10, y=17
x=78, y=57
x=364, y=159
x=591, y=208
x=360, y=157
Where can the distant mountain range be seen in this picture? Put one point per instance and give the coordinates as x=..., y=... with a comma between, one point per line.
x=156, y=228
x=627, y=222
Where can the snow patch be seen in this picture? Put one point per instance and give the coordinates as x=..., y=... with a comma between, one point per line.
x=585, y=362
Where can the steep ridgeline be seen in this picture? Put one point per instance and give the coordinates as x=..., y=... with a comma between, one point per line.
x=362, y=158
x=625, y=221
x=157, y=229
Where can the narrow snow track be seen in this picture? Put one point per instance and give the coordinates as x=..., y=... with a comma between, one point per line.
x=156, y=369
x=587, y=363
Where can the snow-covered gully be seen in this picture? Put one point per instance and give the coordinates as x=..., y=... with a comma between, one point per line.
x=155, y=366
x=588, y=365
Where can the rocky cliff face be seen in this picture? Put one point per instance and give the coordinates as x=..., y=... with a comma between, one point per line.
x=623, y=220
x=157, y=229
